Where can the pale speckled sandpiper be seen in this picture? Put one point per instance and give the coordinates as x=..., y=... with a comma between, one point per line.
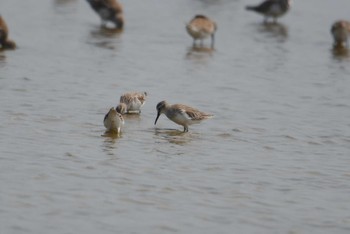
x=109, y=11
x=5, y=42
x=341, y=31
x=271, y=8
x=131, y=103
x=201, y=27
x=113, y=121
x=181, y=114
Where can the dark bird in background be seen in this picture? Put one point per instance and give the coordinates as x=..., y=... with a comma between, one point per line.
x=109, y=11
x=271, y=8
x=5, y=43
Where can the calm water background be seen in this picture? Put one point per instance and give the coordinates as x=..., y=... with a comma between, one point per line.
x=275, y=159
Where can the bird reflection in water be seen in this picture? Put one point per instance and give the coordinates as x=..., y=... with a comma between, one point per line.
x=204, y=50
x=109, y=143
x=340, y=52
x=174, y=136
x=105, y=37
x=199, y=55
x=112, y=134
x=2, y=59
x=277, y=30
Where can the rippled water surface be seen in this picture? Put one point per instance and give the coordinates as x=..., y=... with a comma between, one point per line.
x=274, y=159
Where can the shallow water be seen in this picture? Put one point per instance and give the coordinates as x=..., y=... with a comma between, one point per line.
x=274, y=159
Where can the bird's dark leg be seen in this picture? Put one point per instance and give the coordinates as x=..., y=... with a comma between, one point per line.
x=275, y=20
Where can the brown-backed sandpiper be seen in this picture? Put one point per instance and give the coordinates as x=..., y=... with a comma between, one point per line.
x=5, y=43
x=201, y=27
x=131, y=103
x=181, y=114
x=113, y=121
x=341, y=31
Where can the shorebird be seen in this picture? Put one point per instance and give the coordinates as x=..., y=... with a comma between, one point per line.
x=341, y=31
x=5, y=43
x=201, y=27
x=131, y=103
x=181, y=114
x=113, y=121
x=109, y=11
x=271, y=8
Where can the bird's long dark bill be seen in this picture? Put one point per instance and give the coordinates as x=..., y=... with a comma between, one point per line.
x=157, y=118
